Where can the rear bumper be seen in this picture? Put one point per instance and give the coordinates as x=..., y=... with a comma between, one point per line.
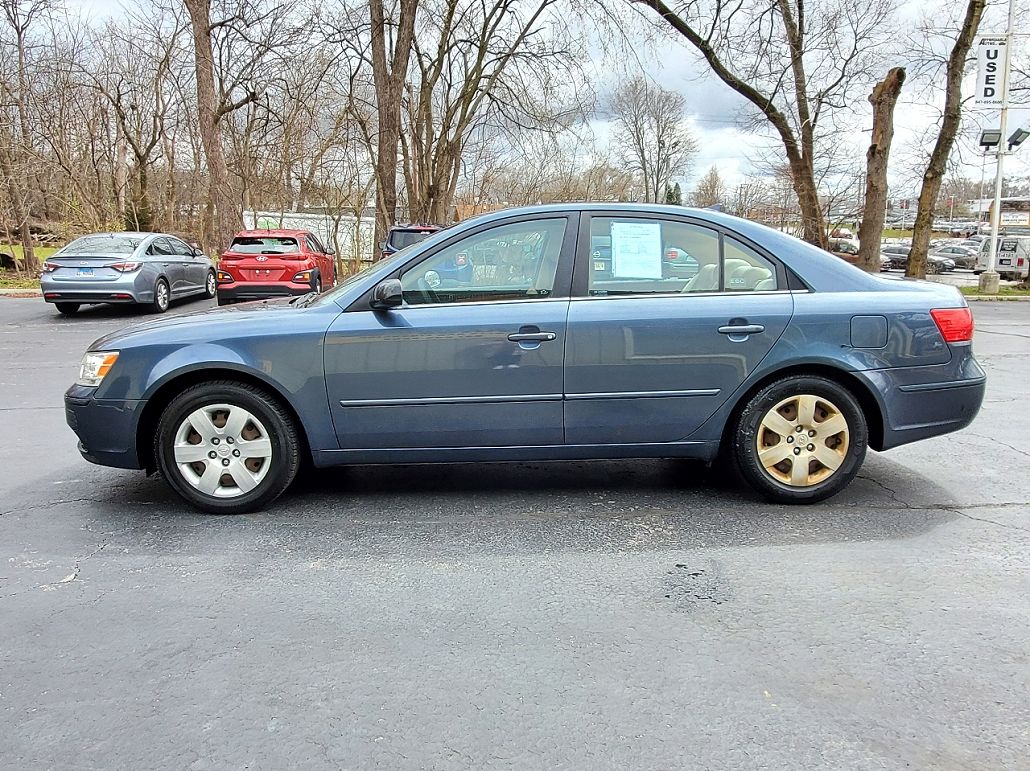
x=106, y=428
x=122, y=290
x=241, y=291
x=920, y=402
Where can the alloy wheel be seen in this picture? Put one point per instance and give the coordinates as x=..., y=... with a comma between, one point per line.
x=803, y=440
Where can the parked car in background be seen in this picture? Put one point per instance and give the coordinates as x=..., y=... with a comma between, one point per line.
x=149, y=269
x=962, y=256
x=402, y=236
x=773, y=354
x=898, y=259
x=274, y=263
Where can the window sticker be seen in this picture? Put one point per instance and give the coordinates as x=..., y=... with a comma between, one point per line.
x=637, y=249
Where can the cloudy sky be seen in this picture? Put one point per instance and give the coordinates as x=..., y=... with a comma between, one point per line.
x=714, y=110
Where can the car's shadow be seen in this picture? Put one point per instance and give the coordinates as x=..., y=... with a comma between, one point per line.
x=633, y=504
x=132, y=312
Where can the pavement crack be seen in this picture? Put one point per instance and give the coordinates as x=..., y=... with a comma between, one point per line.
x=962, y=513
x=888, y=490
x=998, y=441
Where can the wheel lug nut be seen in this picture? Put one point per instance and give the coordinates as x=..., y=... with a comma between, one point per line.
x=790, y=440
x=797, y=450
x=212, y=455
x=230, y=440
x=799, y=429
x=225, y=461
x=215, y=440
x=236, y=453
x=811, y=447
x=811, y=433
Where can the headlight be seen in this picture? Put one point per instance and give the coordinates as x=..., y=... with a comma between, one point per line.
x=95, y=366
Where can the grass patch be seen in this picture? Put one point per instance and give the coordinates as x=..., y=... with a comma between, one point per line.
x=42, y=252
x=14, y=281
x=896, y=233
x=1005, y=291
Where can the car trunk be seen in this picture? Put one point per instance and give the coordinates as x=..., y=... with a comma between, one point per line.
x=87, y=267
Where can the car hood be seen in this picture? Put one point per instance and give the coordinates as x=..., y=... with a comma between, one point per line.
x=212, y=324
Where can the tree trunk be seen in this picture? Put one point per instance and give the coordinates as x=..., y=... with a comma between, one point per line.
x=224, y=216
x=870, y=233
x=389, y=78
x=935, y=169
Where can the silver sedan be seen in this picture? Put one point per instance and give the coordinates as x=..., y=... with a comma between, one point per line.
x=149, y=269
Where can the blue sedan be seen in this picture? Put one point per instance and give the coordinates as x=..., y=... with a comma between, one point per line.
x=773, y=355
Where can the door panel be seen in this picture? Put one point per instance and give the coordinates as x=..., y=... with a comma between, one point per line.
x=448, y=375
x=654, y=368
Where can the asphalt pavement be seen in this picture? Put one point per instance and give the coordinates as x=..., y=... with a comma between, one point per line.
x=639, y=614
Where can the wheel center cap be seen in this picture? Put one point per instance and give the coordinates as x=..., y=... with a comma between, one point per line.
x=224, y=450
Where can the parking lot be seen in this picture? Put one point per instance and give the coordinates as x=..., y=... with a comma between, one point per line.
x=643, y=614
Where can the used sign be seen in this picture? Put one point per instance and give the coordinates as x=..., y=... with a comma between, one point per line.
x=990, y=71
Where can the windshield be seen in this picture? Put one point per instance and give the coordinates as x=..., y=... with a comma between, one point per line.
x=400, y=239
x=394, y=260
x=102, y=245
x=264, y=245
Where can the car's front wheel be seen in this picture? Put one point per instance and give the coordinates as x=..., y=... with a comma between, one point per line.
x=227, y=447
x=801, y=439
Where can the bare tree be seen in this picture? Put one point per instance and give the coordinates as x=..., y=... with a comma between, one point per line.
x=794, y=61
x=884, y=97
x=390, y=56
x=710, y=190
x=937, y=165
x=650, y=127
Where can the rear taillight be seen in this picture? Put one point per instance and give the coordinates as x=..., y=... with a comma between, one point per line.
x=670, y=256
x=224, y=278
x=50, y=267
x=126, y=267
x=955, y=324
x=302, y=277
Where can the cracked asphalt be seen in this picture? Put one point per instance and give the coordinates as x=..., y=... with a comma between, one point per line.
x=636, y=614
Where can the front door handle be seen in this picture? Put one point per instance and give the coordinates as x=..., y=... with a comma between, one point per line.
x=742, y=329
x=534, y=337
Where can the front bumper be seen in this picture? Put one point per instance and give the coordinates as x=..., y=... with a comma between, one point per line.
x=106, y=428
x=242, y=291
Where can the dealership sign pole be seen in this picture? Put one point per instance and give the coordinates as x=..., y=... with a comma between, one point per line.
x=992, y=90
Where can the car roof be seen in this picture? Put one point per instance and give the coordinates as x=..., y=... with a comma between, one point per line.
x=256, y=232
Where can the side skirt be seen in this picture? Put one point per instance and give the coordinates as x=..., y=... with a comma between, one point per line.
x=701, y=450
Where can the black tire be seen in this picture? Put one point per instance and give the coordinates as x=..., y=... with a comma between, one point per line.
x=67, y=309
x=224, y=301
x=316, y=283
x=282, y=432
x=162, y=297
x=746, y=435
x=210, y=285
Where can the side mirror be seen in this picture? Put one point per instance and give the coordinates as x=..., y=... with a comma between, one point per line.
x=387, y=294
x=198, y=252
x=330, y=251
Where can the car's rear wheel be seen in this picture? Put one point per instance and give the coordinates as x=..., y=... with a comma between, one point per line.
x=67, y=309
x=210, y=285
x=227, y=447
x=801, y=439
x=162, y=297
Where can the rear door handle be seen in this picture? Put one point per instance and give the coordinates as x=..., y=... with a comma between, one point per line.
x=538, y=337
x=743, y=329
